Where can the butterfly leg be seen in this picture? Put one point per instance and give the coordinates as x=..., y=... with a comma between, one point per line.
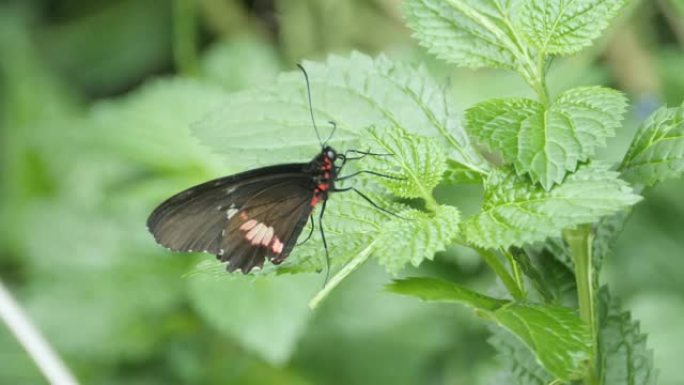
x=325, y=244
x=367, y=199
x=362, y=154
x=369, y=172
x=310, y=232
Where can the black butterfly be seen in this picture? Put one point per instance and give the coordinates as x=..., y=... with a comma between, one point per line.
x=246, y=218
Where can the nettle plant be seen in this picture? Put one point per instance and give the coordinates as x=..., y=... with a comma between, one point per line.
x=550, y=210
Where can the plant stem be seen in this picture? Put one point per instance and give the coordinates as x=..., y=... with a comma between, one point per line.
x=581, y=241
x=540, y=86
x=500, y=270
x=185, y=37
x=32, y=341
x=517, y=274
x=357, y=261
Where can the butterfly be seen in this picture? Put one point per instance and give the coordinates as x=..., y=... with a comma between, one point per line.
x=257, y=215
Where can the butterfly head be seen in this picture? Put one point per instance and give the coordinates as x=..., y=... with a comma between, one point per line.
x=330, y=153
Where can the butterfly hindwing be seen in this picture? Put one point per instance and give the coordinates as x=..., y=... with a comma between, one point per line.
x=227, y=216
x=265, y=228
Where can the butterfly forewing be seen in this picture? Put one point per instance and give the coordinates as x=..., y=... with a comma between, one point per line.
x=243, y=219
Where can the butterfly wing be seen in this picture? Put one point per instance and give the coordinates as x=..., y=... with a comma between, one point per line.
x=243, y=219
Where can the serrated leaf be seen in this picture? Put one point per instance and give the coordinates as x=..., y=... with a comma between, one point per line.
x=272, y=124
x=557, y=277
x=514, y=214
x=497, y=123
x=469, y=33
x=456, y=174
x=606, y=233
x=520, y=364
x=419, y=236
x=351, y=224
x=623, y=356
x=546, y=143
x=416, y=163
x=561, y=27
x=557, y=336
x=528, y=268
x=657, y=151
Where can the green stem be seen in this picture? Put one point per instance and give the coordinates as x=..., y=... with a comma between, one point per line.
x=185, y=37
x=517, y=272
x=542, y=91
x=341, y=275
x=581, y=241
x=500, y=270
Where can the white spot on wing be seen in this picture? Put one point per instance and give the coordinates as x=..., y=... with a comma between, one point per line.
x=231, y=211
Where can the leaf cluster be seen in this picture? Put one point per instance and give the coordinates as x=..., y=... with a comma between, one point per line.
x=548, y=180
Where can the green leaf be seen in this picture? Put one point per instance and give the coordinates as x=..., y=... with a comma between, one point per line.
x=417, y=162
x=558, y=278
x=520, y=364
x=546, y=143
x=152, y=125
x=528, y=268
x=417, y=237
x=497, y=123
x=265, y=315
x=606, y=233
x=657, y=152
x=623, y=356
x=557, y=336
x=562, y=27
x=433, y=289
x=351, y=224
x=514, y=214
x=272, y=124
x=469, y=33
x=456, y=174
x=395, y=242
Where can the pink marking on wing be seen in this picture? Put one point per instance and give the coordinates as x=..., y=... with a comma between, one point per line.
x=277, y=246
x=248, y=225
x=266, y=240
x=244, y=216
x=253, y=232
x=261, y=232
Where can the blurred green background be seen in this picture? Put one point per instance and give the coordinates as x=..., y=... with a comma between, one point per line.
x=96, y=101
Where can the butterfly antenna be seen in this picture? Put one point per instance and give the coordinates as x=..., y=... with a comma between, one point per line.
x=308, y=93
x=334, y=127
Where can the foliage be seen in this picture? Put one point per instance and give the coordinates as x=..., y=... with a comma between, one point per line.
x=514, y=214
x=546, y=142
x=558, y=337
x=657, y=152
x=510, y=183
